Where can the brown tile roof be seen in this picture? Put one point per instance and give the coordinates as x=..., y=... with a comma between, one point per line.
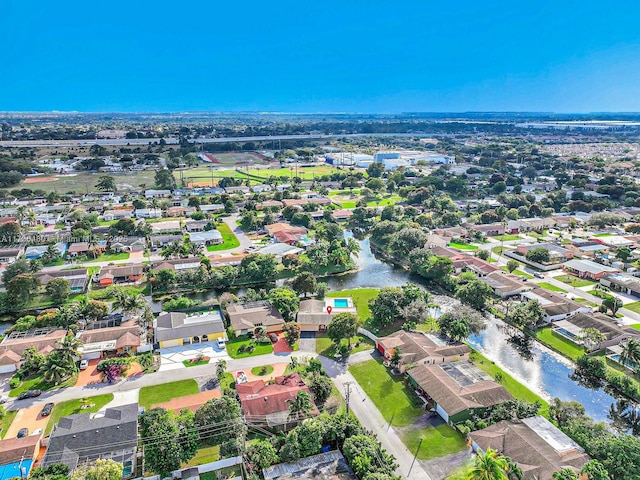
x=247, y=318
x=260, y=400
x=128, y=329
x=418, y=347
x=19, y=345
x=457, y=396
x=13, y=449
x=526, y=443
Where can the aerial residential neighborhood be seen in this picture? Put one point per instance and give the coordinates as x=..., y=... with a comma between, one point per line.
x=274, y=321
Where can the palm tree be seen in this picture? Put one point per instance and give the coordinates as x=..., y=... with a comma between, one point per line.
x=56, y=369
x=194, y=249
x=68, y=348
x=630, y=354
x=301, y=405
x=489, y=466
x=353, y=247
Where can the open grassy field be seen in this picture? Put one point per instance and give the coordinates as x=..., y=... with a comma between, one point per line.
x=202, y=173
x=463, y=246
x=560, y=344
x=86, y=182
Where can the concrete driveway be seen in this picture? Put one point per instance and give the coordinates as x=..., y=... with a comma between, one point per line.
x=29, y=418
x=172, y=358
x=307, y=342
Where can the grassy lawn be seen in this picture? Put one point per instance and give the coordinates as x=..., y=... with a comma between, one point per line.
x=603, y=235
x=500, y=250
x=228, y=237
x=37, y=383
x=396, y=401
x=537, y=235
x=234, y=345
x=562, y=345
x=552, y=288
x=507, y=237
x=384, y=201
x=400, y=406
x=110, y=257
x=324, y=345
x=72, y=407
x=360, y=298
x=5, y=423
x=574, y=281
x=634, y=307
x=166, y=391
x=585, y=301
x=261, y=371
x=437, y=441
x=636, y=326
x=205, y=455
x=514, y=387
x=517, y=272
x=463, y=246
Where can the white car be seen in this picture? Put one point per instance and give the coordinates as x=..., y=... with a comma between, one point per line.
x=3, y=399
x=84, y=364
x=220, y=344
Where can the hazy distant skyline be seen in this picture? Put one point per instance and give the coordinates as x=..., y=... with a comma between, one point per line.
x=330, y=56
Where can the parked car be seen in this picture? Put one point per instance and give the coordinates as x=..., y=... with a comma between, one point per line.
x=241, y=377
x=3, y=399
x=220, y=343
x=29, y=394
x=84, y=364
x=538, y=275
x=274, y=338
x=46, y=410
x=23, y=432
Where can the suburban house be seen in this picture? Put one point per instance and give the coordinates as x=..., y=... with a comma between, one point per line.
x=586, y=248
x=103, y=340
x=44, y=340
x=76, y=277
x=280, y=250
x=456, y=390
x=246, y=318
x=537, y=446
x=268, y=404
x=129, y=244
x=213, y=208
x=557, y=254
x=420, y=348
x=192, y=226
x=124, y=274
x=556, y=307
x=269, y=204
x=175, y=329
x=117, y=214
x=157, y=193
x=37, y=251
x=85, y=437
x=159, y=241
x=170, y=226
x=587, y=269
x=178, y=264
x=224, y=260
x=17, y=456
x=490, y=229
x=209, y=237
x=342, y=215
x=328, y=465
x=614, y=334
x=315, y=315
x=622, y=283
x=474, y=264
x=82, y=248
x=505, y=284
x=284, y=227
x=10, y=255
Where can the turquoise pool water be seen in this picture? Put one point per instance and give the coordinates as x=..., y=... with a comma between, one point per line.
x=341, y=303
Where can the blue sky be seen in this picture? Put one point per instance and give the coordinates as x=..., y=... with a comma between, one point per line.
x=320, y=56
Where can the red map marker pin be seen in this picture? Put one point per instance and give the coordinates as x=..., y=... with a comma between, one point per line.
x=329, y=308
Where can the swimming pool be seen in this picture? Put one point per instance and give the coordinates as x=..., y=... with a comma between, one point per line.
x=340, y=302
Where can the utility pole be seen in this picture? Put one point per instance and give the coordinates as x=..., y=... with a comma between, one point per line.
x=347, y=394
x=415, y=456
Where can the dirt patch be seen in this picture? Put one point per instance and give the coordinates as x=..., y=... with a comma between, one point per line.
x=40, y=179
x=198, y=184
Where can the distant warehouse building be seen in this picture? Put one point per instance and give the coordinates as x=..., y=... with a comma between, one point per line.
x=412, y=157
